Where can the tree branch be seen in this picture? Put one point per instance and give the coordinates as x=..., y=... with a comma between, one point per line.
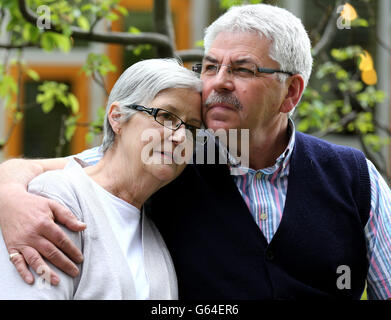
x=343, y=122
x=100, y=82
x=328, y=33
x=9, y=46
x=382, y=127
x=163, y=25
x=381, y=168
x=160, y=40
x=192, y=55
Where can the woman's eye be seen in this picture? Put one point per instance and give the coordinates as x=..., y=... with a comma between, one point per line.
x=166, y=115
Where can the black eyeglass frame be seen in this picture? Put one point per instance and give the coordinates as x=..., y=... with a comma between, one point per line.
x=154, y=111
x=197, y=68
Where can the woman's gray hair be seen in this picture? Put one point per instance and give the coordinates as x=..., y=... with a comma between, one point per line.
x=290, y=44
x=141, y=83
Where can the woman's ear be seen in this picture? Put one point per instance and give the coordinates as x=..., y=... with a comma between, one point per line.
x=114, y=117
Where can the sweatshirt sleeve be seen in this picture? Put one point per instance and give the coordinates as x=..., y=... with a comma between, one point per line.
x=53, y=185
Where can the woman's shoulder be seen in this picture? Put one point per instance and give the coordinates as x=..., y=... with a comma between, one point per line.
x=61, y=179
x=60, y=185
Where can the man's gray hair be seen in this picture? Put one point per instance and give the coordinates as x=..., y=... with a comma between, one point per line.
x=141, y=83
x=290, y=44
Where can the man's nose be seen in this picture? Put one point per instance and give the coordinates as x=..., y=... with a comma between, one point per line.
x=223, y=80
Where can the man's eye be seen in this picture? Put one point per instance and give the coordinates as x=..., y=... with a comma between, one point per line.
x=210, y=67
x=243, y=71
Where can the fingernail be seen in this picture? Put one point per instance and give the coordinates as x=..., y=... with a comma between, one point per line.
x=78, y=259
x=75, y=272
x=55, y=280
x=29, y=279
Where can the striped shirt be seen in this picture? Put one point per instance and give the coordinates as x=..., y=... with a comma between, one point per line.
x=264, y=191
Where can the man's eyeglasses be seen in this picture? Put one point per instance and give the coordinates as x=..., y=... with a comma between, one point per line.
x=240, y=70
x=166, y=118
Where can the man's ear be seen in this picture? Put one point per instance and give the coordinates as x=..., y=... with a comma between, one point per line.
x=114, y=117
x=295, y=91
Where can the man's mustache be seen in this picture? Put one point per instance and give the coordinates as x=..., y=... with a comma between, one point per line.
x=228, y=98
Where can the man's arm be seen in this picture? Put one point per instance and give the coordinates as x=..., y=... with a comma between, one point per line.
x=27, y=221
x=378, y=236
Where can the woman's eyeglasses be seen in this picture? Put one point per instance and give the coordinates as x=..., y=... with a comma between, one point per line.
x=166, y=118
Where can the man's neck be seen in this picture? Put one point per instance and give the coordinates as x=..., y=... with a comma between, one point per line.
x=267, y=145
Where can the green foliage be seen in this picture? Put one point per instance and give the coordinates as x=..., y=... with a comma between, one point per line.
x=53, y=92
x=8, y=85
x=99, y=63
x=58, y=18
x=137, y=50
x=70, y=126
x=96, y=127
x=226, y=4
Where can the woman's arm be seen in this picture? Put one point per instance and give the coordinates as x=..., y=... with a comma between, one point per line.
x=27, y=221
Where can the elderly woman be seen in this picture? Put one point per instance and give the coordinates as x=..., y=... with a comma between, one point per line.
x=152, y=114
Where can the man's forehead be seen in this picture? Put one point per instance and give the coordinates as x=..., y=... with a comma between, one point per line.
x=238, y=46
x=234, y=57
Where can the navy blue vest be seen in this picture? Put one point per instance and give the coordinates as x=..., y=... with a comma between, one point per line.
x=220, y=253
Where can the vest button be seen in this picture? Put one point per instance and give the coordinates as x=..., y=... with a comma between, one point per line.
x=269, y=255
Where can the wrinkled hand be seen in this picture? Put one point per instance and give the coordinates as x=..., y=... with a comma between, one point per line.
x=28, y=227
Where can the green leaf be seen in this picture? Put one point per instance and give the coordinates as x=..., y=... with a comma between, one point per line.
x=71, y=126
x=87, y=7
x=47, y=42
x=70, y=131
x=134, y=30
x=199, y=43
x=48, y=106
x=342, y=74
x=360, y=23
x=26, y=32
x=18, y=116
x=89, y=137
x=304, y=125
x=63, y=42
x=74, y=103
x=83, y=23
x=33, y=74
x=52, y=40
x=122, y=10
x=111, y=16
x=7, y=85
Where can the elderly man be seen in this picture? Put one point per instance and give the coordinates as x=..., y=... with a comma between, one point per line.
x=307, y=219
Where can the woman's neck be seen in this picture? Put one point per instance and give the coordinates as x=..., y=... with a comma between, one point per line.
x=124, y=178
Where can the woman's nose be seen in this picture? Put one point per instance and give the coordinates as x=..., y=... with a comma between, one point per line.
x=179, y=135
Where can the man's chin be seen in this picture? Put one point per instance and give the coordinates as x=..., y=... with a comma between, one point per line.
x=219, y=124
